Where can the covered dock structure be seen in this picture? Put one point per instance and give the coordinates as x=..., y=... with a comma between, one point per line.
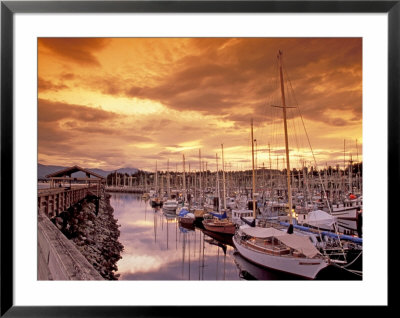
x=66, y=190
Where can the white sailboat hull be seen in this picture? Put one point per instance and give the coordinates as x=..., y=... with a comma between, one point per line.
x=305, y=267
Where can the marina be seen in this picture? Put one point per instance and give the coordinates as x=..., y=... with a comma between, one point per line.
x=158, y=247
x=238, y=167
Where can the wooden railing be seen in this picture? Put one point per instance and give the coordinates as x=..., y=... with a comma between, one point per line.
x=53, y=201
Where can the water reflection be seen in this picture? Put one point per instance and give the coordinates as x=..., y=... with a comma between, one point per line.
x=158, y=247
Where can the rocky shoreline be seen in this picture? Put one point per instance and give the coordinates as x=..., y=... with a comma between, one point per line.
x=95, y=236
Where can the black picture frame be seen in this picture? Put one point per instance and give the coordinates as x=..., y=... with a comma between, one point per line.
x=9, y=8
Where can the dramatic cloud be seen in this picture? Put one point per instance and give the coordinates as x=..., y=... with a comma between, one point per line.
x=78, y=50
x=160, y=98
x=44, y=85
x=53, y=111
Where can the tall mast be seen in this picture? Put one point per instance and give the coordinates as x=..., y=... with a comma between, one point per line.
x=200, y=190
x=270, y=171
x=344, y=164
x=184, y=179
x=256, y=162
x=156, y=185
x=252, y=162
x=223, y=175
x=358, y=167
x=206, y=177
x=219, y=201
x=189, y=187
x=168, y=181
x=286, y=138
x=351, y=174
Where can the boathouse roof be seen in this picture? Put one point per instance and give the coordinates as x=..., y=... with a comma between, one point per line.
x=67, y=172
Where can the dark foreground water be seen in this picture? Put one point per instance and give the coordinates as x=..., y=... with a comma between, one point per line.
x=156, y=247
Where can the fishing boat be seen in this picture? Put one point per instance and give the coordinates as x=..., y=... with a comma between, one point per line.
x=282, y=250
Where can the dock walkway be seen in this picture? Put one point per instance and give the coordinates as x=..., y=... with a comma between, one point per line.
x=53, y=201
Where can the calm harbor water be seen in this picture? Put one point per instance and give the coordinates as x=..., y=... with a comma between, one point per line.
x=156, y=247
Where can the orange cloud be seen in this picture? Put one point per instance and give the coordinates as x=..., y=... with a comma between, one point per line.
x=157, y=93
x=53, y=111
x=78, y=50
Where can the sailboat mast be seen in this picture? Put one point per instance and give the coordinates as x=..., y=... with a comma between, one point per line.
x=252, y=161
x=223, y=175
x=156, y=186
x=344, y=165
x=168, y=182
x=286, y=138
x=184, y=179
x=200, y=187
x=219, y=201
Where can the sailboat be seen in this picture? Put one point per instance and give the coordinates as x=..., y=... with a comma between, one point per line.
x=217, y=221
x=169, y=205
x=276, y=248
x=186, y=217
x=155, y=201
x=243, y=216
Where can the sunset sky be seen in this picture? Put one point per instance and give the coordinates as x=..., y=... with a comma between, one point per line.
x=129, y=102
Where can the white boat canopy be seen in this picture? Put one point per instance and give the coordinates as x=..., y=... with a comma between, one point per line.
x=320, y=218
x=299, y=243
x=262, y=232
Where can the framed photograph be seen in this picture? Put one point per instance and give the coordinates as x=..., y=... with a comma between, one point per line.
x=158, y=155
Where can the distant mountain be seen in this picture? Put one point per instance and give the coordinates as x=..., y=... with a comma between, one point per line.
x=44, y=170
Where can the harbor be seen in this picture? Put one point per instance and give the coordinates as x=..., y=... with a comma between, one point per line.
x=159, y=247
x=202, y=160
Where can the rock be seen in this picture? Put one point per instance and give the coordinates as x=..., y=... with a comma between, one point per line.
x=95, y=236
x=59, y=220
x=89, y=241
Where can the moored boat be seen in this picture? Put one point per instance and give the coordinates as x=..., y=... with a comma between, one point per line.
x=278, y=250
x=281, y=250
x=219, y=224
x=185, y=217
x=170, y=206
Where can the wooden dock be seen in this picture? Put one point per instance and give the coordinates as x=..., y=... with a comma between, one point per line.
x=53, y=201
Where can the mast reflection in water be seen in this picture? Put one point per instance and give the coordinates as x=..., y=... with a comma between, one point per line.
x=157, y=247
